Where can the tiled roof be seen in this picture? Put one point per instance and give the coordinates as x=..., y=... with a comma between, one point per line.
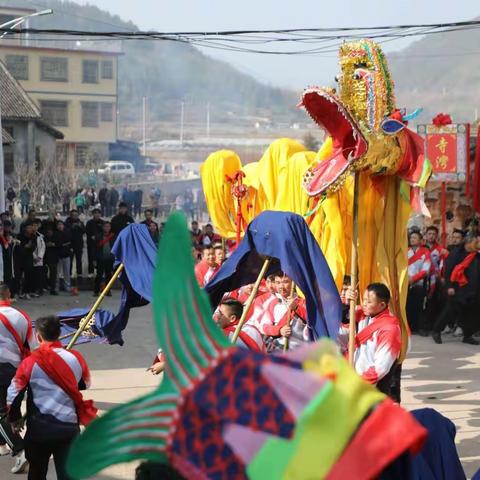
x=7, y=139
x=14, y=101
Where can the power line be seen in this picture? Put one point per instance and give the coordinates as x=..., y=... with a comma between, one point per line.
x=319, y=40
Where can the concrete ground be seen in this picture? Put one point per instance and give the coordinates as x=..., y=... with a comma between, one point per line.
x=445, y=377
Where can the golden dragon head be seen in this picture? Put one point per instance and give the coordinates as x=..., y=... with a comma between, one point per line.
x=355, y=118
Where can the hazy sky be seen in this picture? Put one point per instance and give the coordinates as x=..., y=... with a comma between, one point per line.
x=299, y=71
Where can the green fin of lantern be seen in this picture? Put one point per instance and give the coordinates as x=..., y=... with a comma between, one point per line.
x=190, y=340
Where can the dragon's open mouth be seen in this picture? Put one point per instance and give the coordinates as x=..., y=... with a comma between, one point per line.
x=348, y=141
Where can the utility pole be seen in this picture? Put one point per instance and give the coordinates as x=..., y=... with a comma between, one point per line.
x=182, y=118
x=144, y=127
x=208, y=120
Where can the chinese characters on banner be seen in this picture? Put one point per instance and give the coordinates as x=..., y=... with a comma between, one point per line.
x=442, y=152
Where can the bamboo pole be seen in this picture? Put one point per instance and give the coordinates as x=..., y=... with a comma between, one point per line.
x=85, y=320
x=353, y=271
x=250, y=300
x=286, y=344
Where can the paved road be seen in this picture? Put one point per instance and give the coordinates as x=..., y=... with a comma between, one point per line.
x=445, y=377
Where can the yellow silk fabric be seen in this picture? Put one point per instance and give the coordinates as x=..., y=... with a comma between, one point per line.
x=273, y=172
x=218, y=192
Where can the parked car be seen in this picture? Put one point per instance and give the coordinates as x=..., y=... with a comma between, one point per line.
x=115, y=168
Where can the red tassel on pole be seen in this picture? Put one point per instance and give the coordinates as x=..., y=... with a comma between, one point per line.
x=443, y=206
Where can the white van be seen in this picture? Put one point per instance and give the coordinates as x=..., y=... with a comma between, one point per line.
x=114, y=168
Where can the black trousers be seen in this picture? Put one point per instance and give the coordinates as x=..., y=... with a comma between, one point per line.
x=38, y=455
x=7, y=436
x=447, y=316
x=104, y=271
x=468, y=318
x=39, y=277
x=390, y=384
x=435, y=305
x=416, y=307
x=91, y=257
x=77, y=255
x=52, y=269
x=28, y=281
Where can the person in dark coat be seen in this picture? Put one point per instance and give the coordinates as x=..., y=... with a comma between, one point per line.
x=93, y=228
x=462, y=278
x=77, y=231
x=114, y=196
x=121, y=219
x=8, y=244
x=104, y=257
x=51, y=257
x=137, y=202
x=102, y=198
x=24, y=259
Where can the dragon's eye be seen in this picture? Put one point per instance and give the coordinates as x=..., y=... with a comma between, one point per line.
x=361, y=65
x=338, y=77
x=356, y=76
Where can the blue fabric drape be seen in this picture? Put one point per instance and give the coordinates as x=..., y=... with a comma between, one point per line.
x=286, y=238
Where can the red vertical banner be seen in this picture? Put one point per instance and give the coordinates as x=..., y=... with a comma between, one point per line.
x=476, y=176
x=443, y=207
x=442, y=152
x=467, y=175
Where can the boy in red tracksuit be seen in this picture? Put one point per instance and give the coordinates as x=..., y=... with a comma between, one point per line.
x=227, y=317
x=419, y=267
x=378, y=340
x=285, y=316
x=54, y=377
x=207, y=267
x=16, y=341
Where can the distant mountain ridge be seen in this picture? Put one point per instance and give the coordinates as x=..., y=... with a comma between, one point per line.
x=440, y=73
x=170, y=72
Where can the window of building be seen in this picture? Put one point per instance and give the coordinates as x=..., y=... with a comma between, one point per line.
x=81, y=155
x=55, y=112
x=61, y=154
x=107, y=69
x=54, y=69
x=106, y=112
x=17, y=66
x=8, y=160
x=90, y=114
x=90, y=71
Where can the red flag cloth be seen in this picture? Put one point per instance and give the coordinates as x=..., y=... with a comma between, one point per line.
x=476, y=177
x=442, y=119
x=59, y=372
x=458, y=273
x=384, y=435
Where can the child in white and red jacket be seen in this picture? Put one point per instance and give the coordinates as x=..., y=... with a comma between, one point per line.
x=53, y=377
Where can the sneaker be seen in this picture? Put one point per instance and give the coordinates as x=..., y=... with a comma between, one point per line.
x=4, y=450
x=21, y=296
x=458, y=332
x=447, y=330
x=437, y=337
x=21, y=463
x=35, y=295
x=470, y=341
x=27, y=296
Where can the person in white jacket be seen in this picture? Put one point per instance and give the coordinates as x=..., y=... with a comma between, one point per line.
x=38, y=254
